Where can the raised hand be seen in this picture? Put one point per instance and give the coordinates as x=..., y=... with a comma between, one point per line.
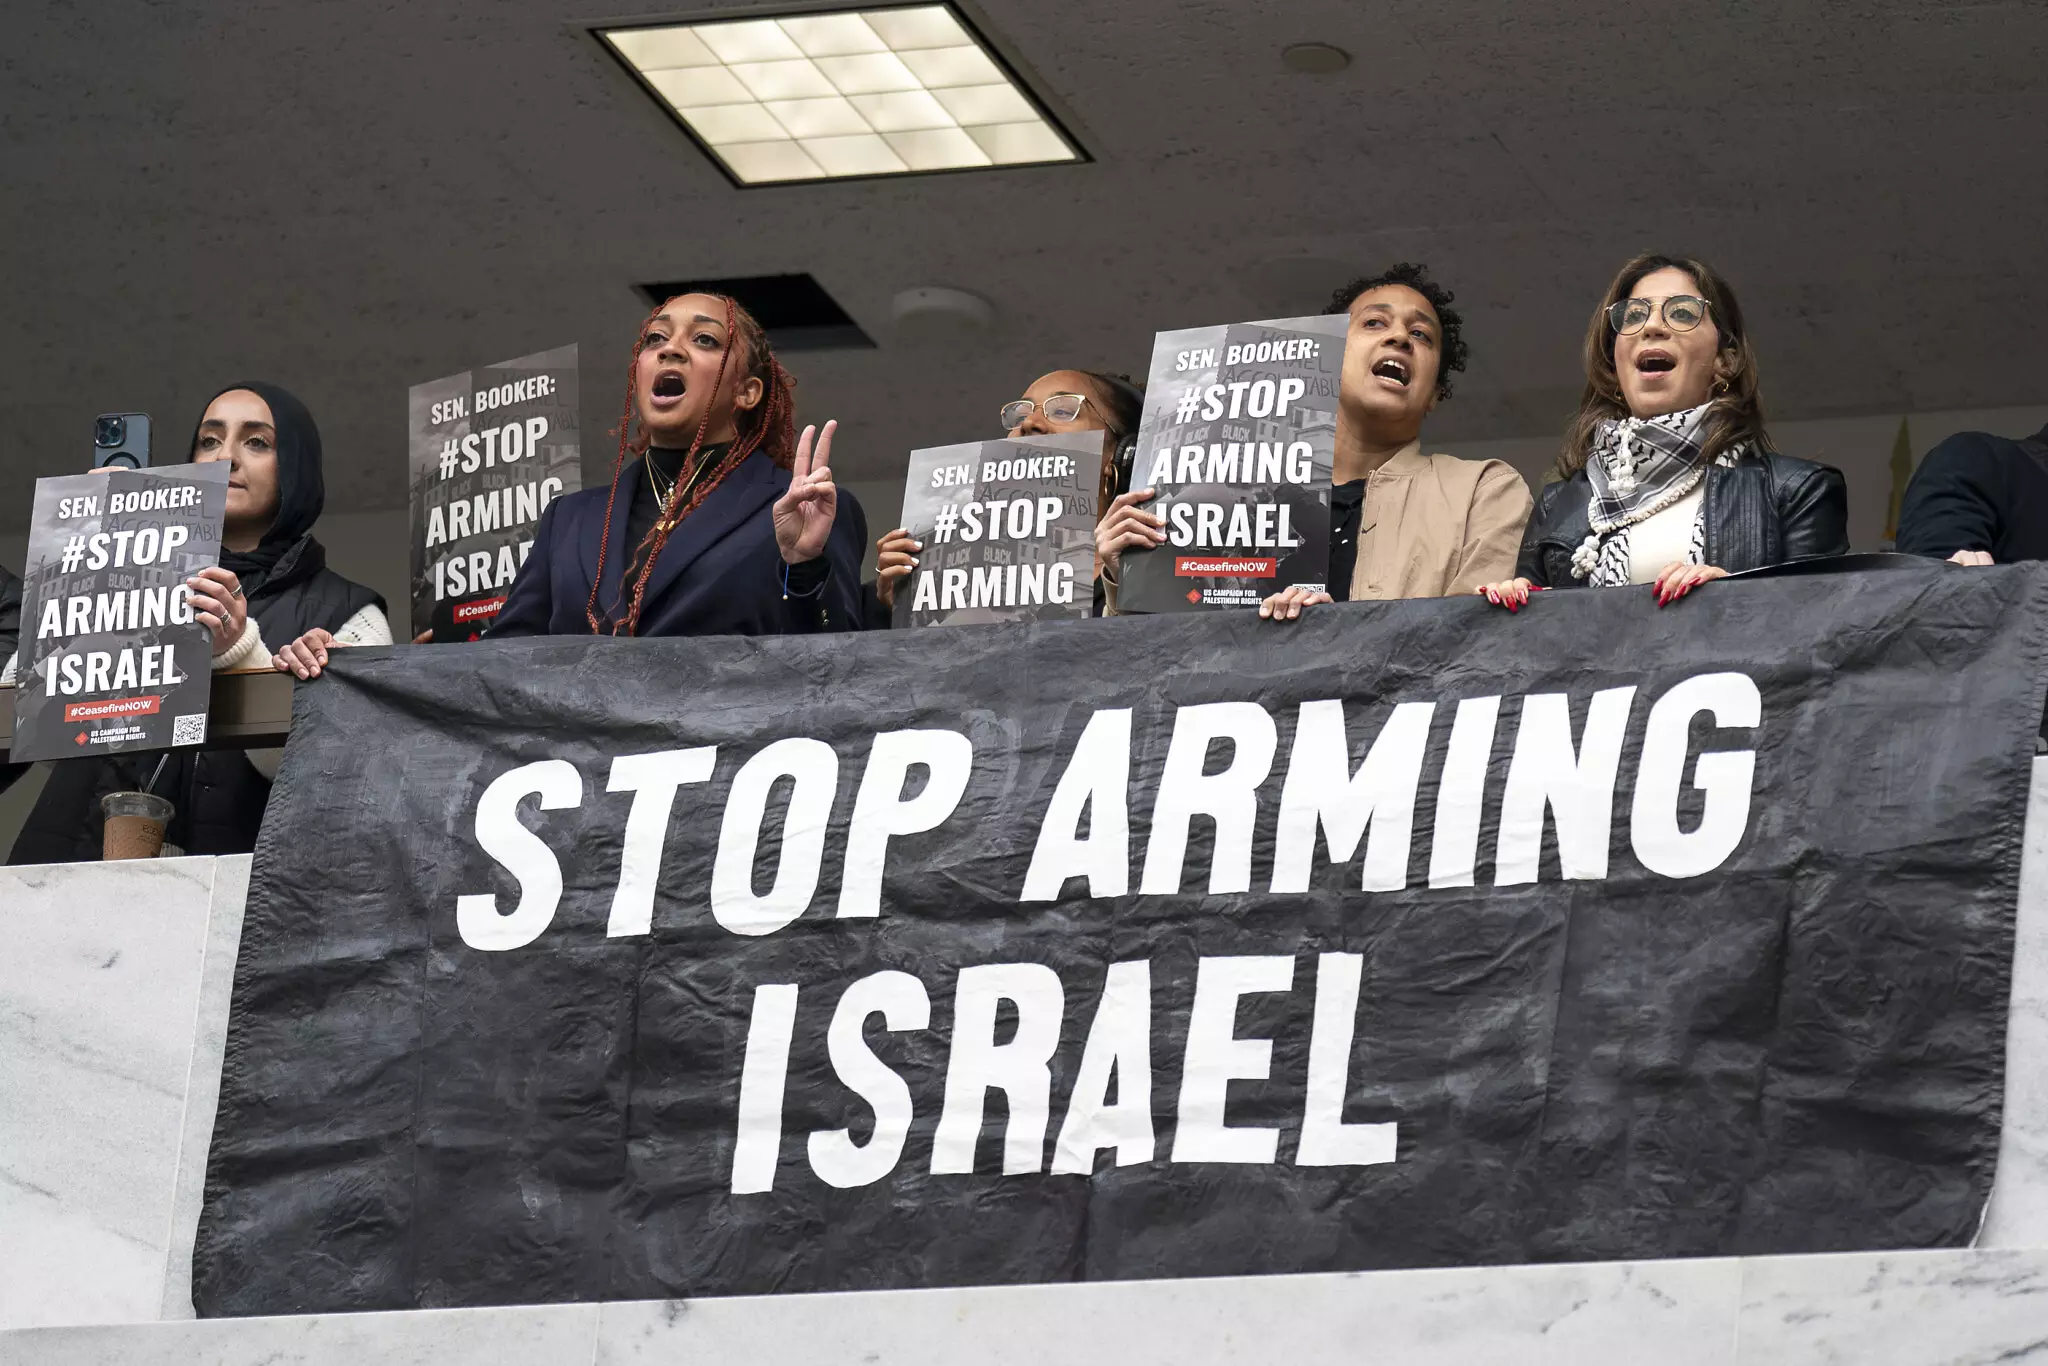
x=804, y=513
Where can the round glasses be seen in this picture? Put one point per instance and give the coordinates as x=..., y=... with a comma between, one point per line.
x=1057, y=408
x=1682, y=313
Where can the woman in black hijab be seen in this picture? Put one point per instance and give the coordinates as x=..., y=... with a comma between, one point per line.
x=273, y=584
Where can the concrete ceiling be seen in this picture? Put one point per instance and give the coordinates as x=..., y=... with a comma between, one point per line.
x=349, y=198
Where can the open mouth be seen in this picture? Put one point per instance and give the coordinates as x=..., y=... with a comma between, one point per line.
x=1393, y=369
x=668, y=384
x=1655, y=363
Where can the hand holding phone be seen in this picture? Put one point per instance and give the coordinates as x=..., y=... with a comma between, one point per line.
x=120, y=441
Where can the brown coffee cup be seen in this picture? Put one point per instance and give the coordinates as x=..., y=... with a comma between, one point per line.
x=135, y=823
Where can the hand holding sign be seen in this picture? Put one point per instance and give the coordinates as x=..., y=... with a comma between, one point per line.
x=1127, y=527
x=217, y=600
x=896, y=556
x=804, y=513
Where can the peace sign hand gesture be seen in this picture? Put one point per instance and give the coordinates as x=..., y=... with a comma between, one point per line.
x=803, y=514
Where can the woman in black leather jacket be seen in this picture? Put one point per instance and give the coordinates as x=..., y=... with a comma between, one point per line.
x=1667, y=474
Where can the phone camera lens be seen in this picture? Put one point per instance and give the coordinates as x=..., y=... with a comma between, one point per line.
x=110, y=431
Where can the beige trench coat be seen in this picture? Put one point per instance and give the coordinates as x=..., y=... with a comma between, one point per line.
x=1435, y=526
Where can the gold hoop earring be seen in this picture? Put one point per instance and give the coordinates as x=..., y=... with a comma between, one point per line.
x=1720, y=387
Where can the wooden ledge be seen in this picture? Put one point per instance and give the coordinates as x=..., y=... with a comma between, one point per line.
x=249, y=710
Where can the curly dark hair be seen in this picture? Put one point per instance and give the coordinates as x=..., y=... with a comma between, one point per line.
x=1451, y=356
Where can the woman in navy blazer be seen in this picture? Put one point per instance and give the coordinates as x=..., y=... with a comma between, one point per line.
x=725, y=524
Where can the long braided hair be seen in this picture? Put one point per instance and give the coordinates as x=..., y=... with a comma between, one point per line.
x=770, y=425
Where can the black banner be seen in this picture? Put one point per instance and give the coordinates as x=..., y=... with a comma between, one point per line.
x=113, y=660
x=1408, y=934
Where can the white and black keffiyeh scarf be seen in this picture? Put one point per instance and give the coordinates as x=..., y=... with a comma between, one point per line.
x=1638, y=468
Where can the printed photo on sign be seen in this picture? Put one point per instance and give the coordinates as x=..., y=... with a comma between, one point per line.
x=113, y=659
x=1237, y=441
x=491, y=448
x=1008, y=529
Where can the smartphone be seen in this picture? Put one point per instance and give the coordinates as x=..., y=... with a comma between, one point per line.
x=121, y=439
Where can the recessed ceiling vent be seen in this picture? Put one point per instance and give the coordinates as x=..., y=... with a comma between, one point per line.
x=794, y=310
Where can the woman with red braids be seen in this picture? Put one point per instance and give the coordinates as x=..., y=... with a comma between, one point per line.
x=726, y=523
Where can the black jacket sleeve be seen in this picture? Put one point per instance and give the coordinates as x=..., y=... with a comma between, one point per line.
x=1814, y=514
x=873, y=615
x=10, y=615
x=1552, y=501
x=529, y=603
x=1954, y=499
x=10, y=641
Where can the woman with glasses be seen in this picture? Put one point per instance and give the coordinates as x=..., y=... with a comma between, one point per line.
x=1062, y=401
x=1667, y=476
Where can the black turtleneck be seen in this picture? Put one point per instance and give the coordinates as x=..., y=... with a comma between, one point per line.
x=645, y=510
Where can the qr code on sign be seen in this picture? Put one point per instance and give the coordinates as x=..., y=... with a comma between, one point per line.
x=189, y=730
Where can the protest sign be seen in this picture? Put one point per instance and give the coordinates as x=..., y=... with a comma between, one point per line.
x=1008, y=529
x=113, y=658
x=491, y=448
x=1237, y=439
x=1413, y=934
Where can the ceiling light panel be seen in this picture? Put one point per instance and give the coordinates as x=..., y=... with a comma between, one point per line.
x=829, y=96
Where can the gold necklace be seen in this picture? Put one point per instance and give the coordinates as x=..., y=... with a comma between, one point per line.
x=661, y=496
x=654, y=485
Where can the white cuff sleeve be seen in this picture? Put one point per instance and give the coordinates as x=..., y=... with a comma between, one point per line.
x=247, y=652
x=367, y=627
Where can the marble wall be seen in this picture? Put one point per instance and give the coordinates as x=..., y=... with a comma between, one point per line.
x=113, y=1006
x=1866, y=1309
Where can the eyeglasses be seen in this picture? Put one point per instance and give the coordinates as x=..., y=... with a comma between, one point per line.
x=1682, y=313
x=1057, y=408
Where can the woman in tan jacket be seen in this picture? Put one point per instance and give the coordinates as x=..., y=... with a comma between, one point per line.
x=1402, y=524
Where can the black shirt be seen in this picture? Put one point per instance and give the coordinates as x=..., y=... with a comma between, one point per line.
x=1347, y=510
x=1976, y=491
